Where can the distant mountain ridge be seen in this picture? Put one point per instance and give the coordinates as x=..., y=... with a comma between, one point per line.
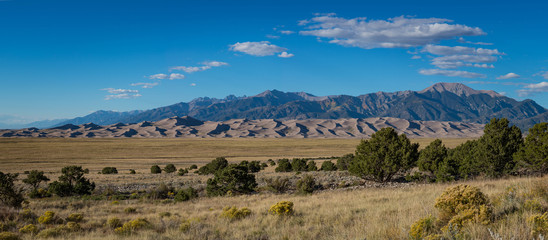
x=439, y=102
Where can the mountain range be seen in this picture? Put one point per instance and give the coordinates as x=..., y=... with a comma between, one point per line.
x=440, y=102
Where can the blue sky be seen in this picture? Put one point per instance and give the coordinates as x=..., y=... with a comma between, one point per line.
x=63, y=59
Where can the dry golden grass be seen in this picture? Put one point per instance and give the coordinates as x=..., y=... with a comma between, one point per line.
x=370, y=213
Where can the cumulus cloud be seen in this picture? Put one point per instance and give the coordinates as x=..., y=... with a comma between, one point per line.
x=207, y=65
x=158, y=76
x=260, y=49
x=286, y=32
x=533, y=88
x=285, y=55
x=509, y=76
x=462, y=40
x=451, y=73
x=416, y=57
x=459, y=56
x=398, y=32
x=174, y=76
x=145, y=85
x=543, y=74
x=117, y=93
x=458, y=50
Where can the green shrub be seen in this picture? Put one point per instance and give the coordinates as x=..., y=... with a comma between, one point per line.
x=9, y=236
x=34, y=178
x=185, y=194
x=306, y=184
x=299, y=165
x=49, y=218
x=9, y=195
x=133, y=225
x=72, y=227
x=263, y=166
x=539, y=224
x=155, y=169
x=193, y=166
x=187, y=224
x=182, y=171
x=50, y=232
x=271, y=162
x=344, y=161
x=422, y=228
x=328, y=166
x=311, y=166
x=72, y=182
x=29, y=229
x=109, y=170
x=130, y=210
x=214, y=166
x=233, y=213
x=278, y=184
x=39, y=193
x=114, y=223
x=283, y=208
x=432, y=156
x=463, y=204
x=383, y=156
x=533, y=156
x=75, y=217
x=170, y=168
x=283, y=165
x=132, y=171
x=233, y=178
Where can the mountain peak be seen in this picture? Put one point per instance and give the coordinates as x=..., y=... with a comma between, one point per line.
x=458, y=89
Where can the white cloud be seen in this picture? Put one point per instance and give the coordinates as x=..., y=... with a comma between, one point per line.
x=286, y=32
x=207, y=65
x=398, y=32
x=122, y=96
x=459, y=50
x=461, y=40
x=158, y=76
x=533, y=88
x=285, y=55
x=416, y=57
x=543, y=74
x=174, y=76
x=146, y=85
x=118, y=90
x=272, y=36
x=193, y=84
x=261, y=49
x=451, y=73
x=509, y=76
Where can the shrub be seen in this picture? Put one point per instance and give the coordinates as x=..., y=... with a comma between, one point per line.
x=9, y=236
x=283, y=165
x=283, y=208
x=39, y=193
x=114, y=223
x=233, y=178
x=185, y=194
x=49, y=218
x=72, y=227
x=132, y=171
x=71, y=182
x=182, y=171
x=29, y=228
x=306, y=184
x=539, y=224
x=271, y=162
x=463, y=204
x=133, y=225
x=160, y=192
x=130, y=210
x=252, y=167
x=75, y=217
x=263, y=166
x=193, y=166
x=109, y=170
x=383, y=156
x=9, y=195
x=328, y=166
x=422, y=228
x=298, y=165
x=311, y=166
x=164, y=214
x=186, y=224
x=212, y=167
x=50, y=232
x=278, y=184
x=34, y=178
x=170, y=168
x=155, y=169
x=233, y=213
x=344, y=161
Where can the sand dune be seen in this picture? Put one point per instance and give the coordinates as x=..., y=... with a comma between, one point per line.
x=187, y=127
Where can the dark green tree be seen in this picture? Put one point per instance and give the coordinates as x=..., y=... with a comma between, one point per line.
x=432, y=156
x=9, y=195
x=344, y=161
x=311, y=166
x=213, y=166
x=155, y=169
x=384, y=155
x=34, y=178
x=464, y=159
x=328, y=166
x=283, y=165
x=170, y=168
x=109, y=170
x=233, y=178
x=72, y=182
x=497, y=146
x=533, y=156
x=299, y=165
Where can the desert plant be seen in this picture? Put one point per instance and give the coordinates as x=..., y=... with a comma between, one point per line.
x=233, y=178
x=298, y=165
x=212, y=167
x=283, y=208
x=463, y=204
x=423, y=228
x=75, y=217
x=278, y=184
x=133, y=225
x=34, y=178
x=344, y=161
x=193, y=166
x=132, y=171
x=233, y=213
x=306, y=184
x=186, y=194
x=283, y=165
x=50, y=232
x=328, y=166
x=539, y=224
x=383, y=156
x=155, y=169
x=71, y=182
x=114, y=223
x=271, y=162
x=182, y=171
x=29, y=229
x=49, y=218
x=311, y=166
x=9, y=195
x=109, y=170
x=170, y=168
x=130, y=210
x=9, y=236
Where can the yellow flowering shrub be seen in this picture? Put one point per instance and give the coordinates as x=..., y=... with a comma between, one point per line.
x=539, y=223
x=422, y=228
x=463, y=204
x=233, y=213
x=30, y=228
x=114, y=223
x=75, y=217
x=48, y=218
x=132, y=226
x=283, y=208
x=9, y=236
